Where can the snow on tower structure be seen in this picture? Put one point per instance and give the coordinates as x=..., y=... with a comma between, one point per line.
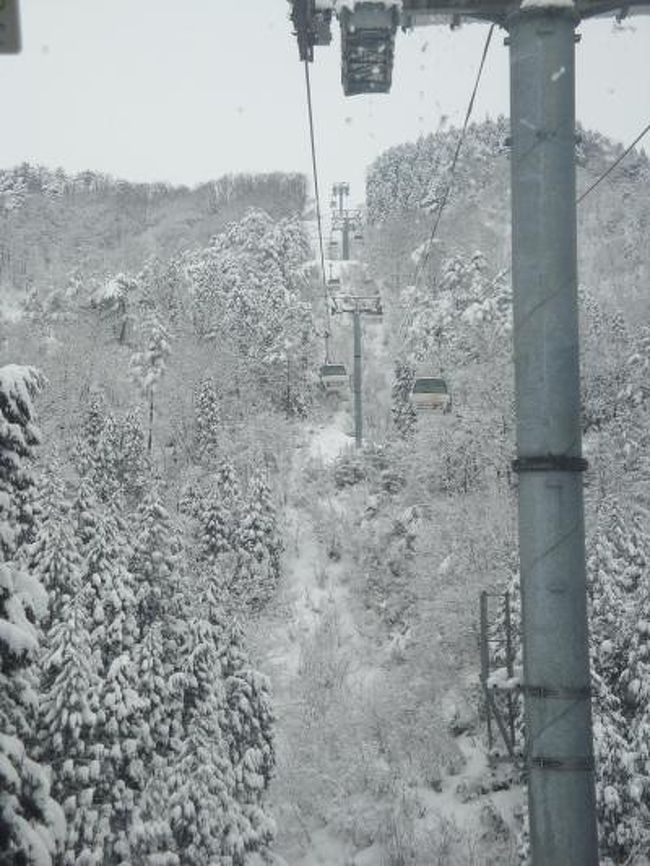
x=369, y=27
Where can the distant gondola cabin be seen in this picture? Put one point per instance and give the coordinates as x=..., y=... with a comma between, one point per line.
x=430, y=394
x=334, y=378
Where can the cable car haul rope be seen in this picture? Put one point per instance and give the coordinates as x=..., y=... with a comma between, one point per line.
x=318, y=213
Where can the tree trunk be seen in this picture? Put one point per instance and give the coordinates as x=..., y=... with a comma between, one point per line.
x=150, y=438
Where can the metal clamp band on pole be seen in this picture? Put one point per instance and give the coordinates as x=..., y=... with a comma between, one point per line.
x=550, y=463
x=542, y=762
x=560, y=692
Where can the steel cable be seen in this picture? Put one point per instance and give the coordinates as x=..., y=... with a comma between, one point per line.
x=318, y=213
x=614, y=164
x=470, y=107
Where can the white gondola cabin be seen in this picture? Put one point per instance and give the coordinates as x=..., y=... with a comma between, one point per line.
x=334, y=378
x=430, y=394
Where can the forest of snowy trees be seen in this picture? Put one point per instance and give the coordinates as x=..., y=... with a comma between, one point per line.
x=136, y=540
x=220, y=642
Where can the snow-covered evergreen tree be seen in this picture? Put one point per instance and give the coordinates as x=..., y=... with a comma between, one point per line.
x=258, y=547
x=31, y=823
x=100, y=464
x=84, y=512
x=248, y=727
x=214, y=527
x=247, y=296
x=200, y=786
x=226, y=755
x=218, y=514
x=111, y=598
x=132, y=465
x=92, y=426
x=122, y=750
x=208, y=421
x=617, y=561
x=148, y=366
x=67, y=717
x=155, y=562
x=404, y=415
x=636, y=389
x=636, y=699
x=619, y=788
x=54, y=558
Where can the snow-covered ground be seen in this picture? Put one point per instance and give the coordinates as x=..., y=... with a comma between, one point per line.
x=328, y=441
x=316, y=591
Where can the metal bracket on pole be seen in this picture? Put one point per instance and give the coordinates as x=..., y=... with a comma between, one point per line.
x=560, y=692
x=544, y=762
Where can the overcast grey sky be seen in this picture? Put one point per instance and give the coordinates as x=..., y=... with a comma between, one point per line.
x=187, y=91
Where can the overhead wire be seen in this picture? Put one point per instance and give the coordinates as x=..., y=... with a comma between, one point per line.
x=423, y=260
x=470, y=107
x=616, y=162
x=318, y=211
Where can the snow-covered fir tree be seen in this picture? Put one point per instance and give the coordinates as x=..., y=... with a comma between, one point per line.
x=54, y=557
x=70, y=680
x=208, y=421
x=155, y=562
x=227, y=721
x=92, y=426
x=617, y=560
x=619, y=787
x=248, y=729
x=218, y=514
x=31, y=822
x=258, y=547
x=404, y=415
x=148, y=366
x=84, y=512
x=112, y=601
x=636, y=700
x=200, y=786
x=132, y=464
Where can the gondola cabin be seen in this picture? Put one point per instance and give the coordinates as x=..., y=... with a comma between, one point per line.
x=430, y=394
x=367, y=47
x=334, y=378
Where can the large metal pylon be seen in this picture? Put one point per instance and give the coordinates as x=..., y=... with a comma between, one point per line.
x=357, y=305
x=556, y=685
